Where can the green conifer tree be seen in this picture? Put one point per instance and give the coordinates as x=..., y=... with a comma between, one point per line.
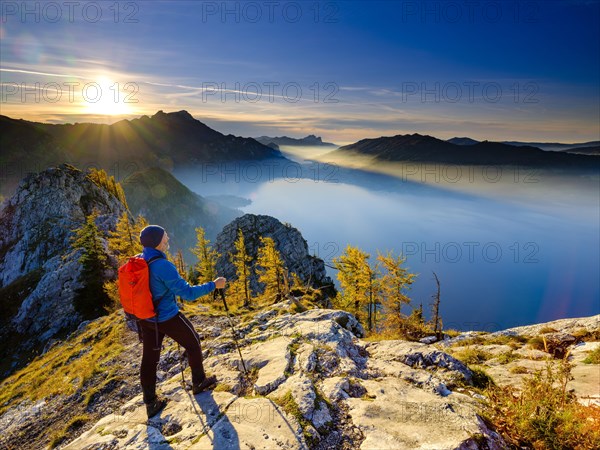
x=239, y=289
x=436, y=319
x=395, y=280
x=271, y=270
x=91, y=300
x=356, y=279
x=207, y=258
x=124, y=242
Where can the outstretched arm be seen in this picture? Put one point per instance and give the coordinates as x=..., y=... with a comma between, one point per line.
x=182, y=288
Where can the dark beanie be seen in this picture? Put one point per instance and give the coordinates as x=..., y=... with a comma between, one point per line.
x=151, y=236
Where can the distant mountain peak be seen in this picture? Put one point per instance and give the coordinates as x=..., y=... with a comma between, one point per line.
x=310, y=140
x=183, y=114
x=463, y=141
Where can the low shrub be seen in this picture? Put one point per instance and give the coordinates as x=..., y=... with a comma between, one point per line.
x=518, y=370
x=537, y=343
x=507, y=357
x=544, y=414
x=593, y=357
x=481, y=379
x=472, y=355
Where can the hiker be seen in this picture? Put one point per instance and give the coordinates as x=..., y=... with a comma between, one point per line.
x=165, y=284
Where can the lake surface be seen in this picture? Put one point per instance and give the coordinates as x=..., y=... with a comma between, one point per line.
x=507, y=252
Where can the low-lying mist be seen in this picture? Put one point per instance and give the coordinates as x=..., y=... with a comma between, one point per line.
x=511, y=246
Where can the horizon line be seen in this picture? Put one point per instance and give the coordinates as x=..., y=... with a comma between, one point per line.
x=112, y=119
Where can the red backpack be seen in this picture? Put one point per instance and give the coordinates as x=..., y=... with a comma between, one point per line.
x=134, y=287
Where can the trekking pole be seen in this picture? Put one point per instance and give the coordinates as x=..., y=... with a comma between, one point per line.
x=222, y=293
x=181, y=364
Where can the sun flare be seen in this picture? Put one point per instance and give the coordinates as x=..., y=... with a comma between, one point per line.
x=107, y=97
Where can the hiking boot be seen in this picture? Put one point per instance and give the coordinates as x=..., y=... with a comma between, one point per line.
x=203, y=385
x=154, y=407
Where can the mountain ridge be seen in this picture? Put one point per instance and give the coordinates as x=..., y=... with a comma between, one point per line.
x=592, y=150
x=548, y=146
x=424, y=148
x=163, y=140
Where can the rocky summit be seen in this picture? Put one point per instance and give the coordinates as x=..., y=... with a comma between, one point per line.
x=288, y=241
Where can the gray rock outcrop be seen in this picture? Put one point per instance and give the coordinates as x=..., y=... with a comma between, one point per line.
x=314, y=384
x=288, y=241
x=38, y=271
x=512, y=355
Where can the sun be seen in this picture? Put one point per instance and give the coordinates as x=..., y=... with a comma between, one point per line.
x=107, y=97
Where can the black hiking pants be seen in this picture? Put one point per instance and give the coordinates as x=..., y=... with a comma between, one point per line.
x=181, y=331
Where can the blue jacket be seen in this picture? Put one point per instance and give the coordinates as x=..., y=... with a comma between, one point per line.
x=166, y=283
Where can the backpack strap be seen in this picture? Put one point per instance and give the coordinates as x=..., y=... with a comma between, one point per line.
x=150, y=261
x=154, y=258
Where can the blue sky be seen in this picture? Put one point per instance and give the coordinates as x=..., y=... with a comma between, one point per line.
x=345, y=70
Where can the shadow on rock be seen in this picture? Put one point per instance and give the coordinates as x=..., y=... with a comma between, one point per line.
x=214, y=421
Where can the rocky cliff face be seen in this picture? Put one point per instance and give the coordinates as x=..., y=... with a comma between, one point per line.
x=38, y=271
x=288, y=241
